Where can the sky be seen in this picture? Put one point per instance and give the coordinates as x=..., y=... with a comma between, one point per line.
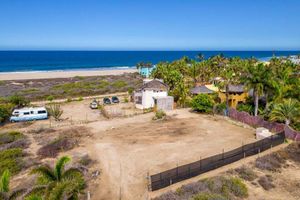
x=149, y=25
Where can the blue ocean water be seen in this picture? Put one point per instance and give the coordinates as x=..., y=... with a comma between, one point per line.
x=20, y=61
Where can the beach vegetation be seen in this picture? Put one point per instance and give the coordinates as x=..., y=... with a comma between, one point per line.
x=11, y=159
x=59, y=144
x=5, y=111
x=160, y=114
x=59, y=182
x=202, y=103
x=268, y=85
x=18, y=100
x=55, y=111
x=119, y=84
x=50, y=98
x=287, y=111
x=5, y=191
x=9, y=137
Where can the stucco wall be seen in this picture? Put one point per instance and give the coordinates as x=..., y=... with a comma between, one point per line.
x=147, y=99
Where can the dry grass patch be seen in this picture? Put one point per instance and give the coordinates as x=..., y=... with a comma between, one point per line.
x=58, y=145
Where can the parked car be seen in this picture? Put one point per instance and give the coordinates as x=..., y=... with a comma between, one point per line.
x=94, y=104
x=115, y=99
x=106, y=100
x=29, y=114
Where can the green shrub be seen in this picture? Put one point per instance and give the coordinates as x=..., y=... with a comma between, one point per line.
x=18, y=100
x=55, y=111
x=5, y=111
x=160, y=114
x=50, y=98
x=209, y=196
x=246, y=108
x=246, y=173
x=220, y=107
x=69, y=100
x=11, y=159
x=80, y=99
x=130, y=90
x=126, y=99
x=10, y=137
x=119, y=84
x=202, y=103
x=236, y=187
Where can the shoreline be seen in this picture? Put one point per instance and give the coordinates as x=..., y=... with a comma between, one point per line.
x=5, y=76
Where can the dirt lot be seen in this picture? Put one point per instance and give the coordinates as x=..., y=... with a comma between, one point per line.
x=127, y=149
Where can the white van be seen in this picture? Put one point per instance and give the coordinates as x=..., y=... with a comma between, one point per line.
x=29, y=114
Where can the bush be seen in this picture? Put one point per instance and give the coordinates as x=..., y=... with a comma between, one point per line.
x=130, y=90
x=220, y=107
x=209, y=196
x=272, y=162
x=69, y=100
x=246, y=173
x=160, y=114
x=5, y=111
x=58, y=145
x=126, y=99
x=11, y=159
x=202, y=103
x=9, y=137
x=55, y=111
x=80, y=99
x=237, y=187
x=19, y=101
x=246, y=108
x=50, y=98
x=266, y=182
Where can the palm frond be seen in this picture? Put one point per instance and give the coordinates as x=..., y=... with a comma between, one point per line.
x=60, y=165
x=4, y=181
x=45, y=172
x=71, y=173
x=34, y=197
x=58, y=192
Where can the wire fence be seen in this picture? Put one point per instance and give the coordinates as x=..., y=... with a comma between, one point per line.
x=187, y=171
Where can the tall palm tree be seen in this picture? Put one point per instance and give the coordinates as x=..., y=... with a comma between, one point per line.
x=60, y=183
x=200, y=57
x=286, y=111
x=5, y=193
x=255, y=78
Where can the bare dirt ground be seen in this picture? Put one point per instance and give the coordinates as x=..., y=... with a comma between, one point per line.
x=127, y=149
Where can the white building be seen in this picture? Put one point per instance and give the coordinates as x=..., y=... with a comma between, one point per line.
x=147, y=95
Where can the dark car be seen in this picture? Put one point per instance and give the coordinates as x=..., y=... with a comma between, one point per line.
x=115, y=99
x=106, y=100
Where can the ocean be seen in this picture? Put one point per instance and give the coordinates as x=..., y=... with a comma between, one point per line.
x=34, y=61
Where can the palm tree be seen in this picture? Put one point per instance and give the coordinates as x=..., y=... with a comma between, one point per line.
x=58, y=183
x=5, y=193
x=286, y=111
x=255, y=78
x=200, y=57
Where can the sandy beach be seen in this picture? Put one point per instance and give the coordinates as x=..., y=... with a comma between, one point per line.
x=61, y=74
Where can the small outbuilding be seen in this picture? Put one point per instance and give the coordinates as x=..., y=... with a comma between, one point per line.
x=153, y=93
